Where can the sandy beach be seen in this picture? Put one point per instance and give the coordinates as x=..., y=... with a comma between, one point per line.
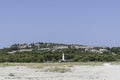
x=106, y=71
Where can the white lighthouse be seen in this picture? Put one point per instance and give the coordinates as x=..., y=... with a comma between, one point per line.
x=63, y=57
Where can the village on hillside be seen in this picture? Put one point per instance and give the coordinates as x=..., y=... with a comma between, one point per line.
x=40, y=46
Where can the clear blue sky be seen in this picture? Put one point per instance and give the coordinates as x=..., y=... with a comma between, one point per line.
x=87, y=22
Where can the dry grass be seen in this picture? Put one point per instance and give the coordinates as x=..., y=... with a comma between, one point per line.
x=58, y=69
x=42, y=65
x=115, y=63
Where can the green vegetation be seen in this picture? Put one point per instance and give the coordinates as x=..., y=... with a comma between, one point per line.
x=51, y=52
x=55, y=57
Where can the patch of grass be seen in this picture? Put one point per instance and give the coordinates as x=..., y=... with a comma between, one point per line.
x=43, y=65
x=58, y=69
x=11, y=74
x=6, y=64
x=115, y=63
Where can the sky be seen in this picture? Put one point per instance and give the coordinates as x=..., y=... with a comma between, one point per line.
x=84, y=22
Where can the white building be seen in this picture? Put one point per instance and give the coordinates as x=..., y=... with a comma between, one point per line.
x=60, y=47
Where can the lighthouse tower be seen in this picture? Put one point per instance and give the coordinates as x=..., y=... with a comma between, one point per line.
x=63, y=57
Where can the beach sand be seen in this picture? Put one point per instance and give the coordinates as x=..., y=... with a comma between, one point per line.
x=106, y=71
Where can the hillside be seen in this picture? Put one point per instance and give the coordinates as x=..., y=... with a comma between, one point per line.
x=56, y=46
x=52, y=52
